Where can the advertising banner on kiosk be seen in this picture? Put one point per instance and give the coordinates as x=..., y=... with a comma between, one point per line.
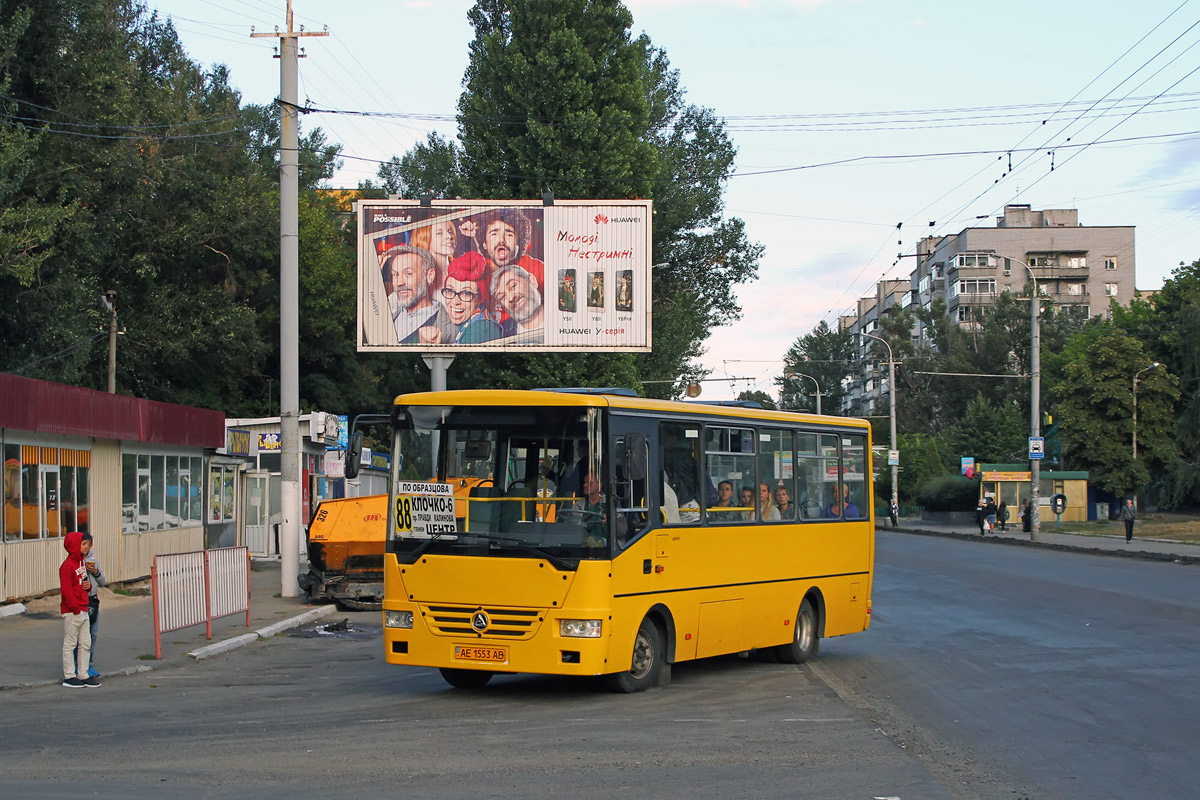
x=491, y=275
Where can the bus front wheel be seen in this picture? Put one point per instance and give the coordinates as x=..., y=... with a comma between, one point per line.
x=805, y=641
x=466, y=678
x=646, y=663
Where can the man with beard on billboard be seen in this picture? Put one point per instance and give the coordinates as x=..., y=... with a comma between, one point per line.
x=503, y=236
x=408, y=274
x=517, y=292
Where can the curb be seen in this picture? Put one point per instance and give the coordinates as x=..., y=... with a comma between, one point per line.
x=56, y=681
x=1013, y=542
x=296, y=621
x=208, y=651
x=12, y=609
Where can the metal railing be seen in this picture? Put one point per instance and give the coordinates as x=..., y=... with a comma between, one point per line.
x=190, y=588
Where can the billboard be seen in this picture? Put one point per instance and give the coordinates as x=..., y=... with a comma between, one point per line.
x=499, y=276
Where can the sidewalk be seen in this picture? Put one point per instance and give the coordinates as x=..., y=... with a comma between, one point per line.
x=31, y=642
x=1051, y=538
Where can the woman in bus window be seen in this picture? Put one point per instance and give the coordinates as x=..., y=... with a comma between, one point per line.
x=766, y=508
x=839, y=506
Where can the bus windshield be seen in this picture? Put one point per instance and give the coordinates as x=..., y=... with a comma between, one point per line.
x=528, y=482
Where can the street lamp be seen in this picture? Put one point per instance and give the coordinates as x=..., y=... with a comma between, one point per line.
x=1135, y=379
x=892, y=398
x=1035, y=400
x=814, y=380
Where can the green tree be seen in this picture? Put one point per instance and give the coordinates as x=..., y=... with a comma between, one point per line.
x=1169, y=333
x=26, y=224
x=990, y=432
x=169, y=209
x=824, y=354
x=1094, y=409
x=921, y=460
x=559, y=96
x=432, y=167
x=762, y=398
x=169, y=195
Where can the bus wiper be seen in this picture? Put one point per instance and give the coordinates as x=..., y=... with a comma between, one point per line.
x=562, y=564
x=422, y=547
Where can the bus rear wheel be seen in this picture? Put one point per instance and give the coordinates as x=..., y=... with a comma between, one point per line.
x=805, y=640
x=466, y=678
x=646, y=663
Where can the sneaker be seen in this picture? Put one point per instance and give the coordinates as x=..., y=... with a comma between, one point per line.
x=92, y=681
x=92, y=673
x=73, y=683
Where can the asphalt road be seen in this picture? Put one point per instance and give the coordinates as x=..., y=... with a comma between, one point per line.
x=1016, y=672
x=305, y=715
x=989, y=672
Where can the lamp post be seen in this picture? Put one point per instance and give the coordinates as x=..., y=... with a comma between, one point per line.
x=1035, y=400
x=892, y=415
x=1135, y=379
x=814, y=380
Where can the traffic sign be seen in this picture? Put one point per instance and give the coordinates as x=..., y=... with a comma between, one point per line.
x=893, y=458
x=1037, y=447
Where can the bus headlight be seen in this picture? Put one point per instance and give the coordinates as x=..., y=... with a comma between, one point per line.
x=398, y=619
x=579, y=628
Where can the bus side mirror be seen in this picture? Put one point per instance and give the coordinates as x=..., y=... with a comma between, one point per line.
x=635, y=456
x=353, y=454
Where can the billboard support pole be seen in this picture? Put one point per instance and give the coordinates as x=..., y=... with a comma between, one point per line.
x=438, y=366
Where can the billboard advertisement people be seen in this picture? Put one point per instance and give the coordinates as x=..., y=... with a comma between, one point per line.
x=407, y=248
x=408, y=273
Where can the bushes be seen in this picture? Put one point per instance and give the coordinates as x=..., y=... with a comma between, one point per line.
x=949, y=493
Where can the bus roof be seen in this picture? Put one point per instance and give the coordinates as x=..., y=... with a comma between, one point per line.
x=568, y=398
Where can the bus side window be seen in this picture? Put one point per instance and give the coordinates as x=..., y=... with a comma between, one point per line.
x=678, y=444
x=729, y=461
x=810, y=471
x=853, y=475
x=631, y=504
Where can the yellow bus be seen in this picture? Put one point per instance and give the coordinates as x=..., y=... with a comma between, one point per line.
x=608, y=534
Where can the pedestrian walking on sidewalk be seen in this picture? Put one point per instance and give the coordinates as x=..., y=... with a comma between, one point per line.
x=1026, y=517
x=980, y=515
x=1002, y=515
x=1129, y=514
x=989, y=511
x=894, y=513
x=73, y=585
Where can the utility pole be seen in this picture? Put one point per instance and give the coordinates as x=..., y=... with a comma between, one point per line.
x=1035, y=400
x=892, y=414
x=110, y=304
x=289, y=302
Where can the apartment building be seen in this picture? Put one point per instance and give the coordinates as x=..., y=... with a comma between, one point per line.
x=1072, y=264
x=868, y=389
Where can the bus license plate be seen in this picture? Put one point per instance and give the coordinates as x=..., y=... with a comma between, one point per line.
x=469, y=653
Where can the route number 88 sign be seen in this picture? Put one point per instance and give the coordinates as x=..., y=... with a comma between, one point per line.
x=425, y=514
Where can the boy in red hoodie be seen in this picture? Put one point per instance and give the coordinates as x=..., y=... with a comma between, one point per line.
x=74, y=587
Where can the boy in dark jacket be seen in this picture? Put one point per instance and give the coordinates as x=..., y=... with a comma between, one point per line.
x=74, y=587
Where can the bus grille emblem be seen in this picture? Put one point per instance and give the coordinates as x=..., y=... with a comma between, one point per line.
x=479, y=621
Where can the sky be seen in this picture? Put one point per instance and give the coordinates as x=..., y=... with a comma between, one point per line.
x=861, y=125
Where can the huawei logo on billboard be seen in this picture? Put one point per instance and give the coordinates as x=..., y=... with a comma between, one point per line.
x=602, y=219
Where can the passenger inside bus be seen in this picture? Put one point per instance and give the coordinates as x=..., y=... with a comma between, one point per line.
x=837, y=508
